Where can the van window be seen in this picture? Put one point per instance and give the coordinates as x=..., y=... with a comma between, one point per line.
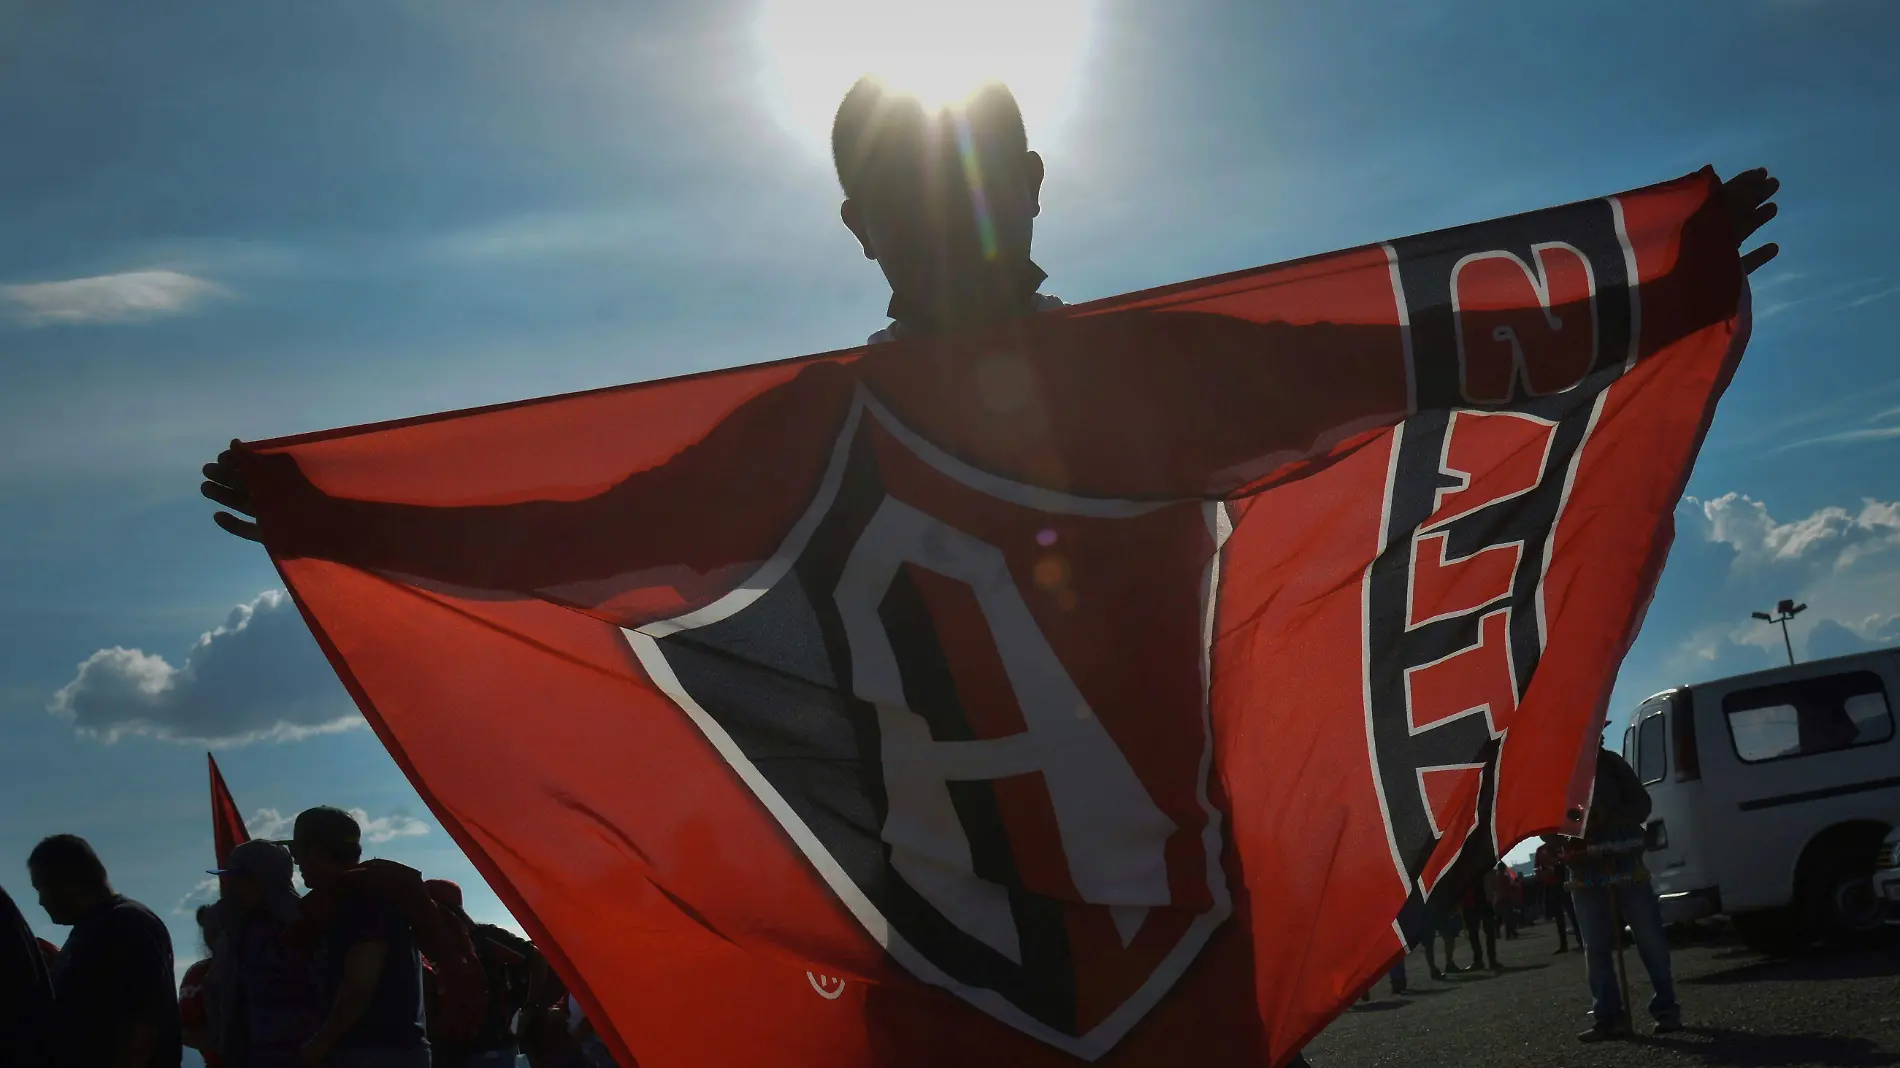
x=1680, y=755
x=1682, y=726
x=1808, y=716
x=1650, y=747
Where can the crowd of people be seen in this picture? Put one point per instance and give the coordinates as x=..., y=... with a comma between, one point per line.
x=376, y=967
x=372, y=967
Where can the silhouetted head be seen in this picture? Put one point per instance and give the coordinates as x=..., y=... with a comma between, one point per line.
x=210, y=925
x=256, y=877
x=69, y=877
x=445, y=892
x=326, y=842
x=944, y=201
x=448, y=894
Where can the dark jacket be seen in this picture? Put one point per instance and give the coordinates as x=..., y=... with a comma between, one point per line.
x=26, y=990
x=114, y=973
x=269, y=1005
x=1620, y=804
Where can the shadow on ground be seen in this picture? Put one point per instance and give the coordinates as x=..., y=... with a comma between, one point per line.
x=1748, y=1049
x=1386, y=1005
x=1867, y=964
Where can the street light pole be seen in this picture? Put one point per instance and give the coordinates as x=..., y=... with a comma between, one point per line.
x=1784, y=611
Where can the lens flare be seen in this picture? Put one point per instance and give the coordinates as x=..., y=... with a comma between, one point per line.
x=940, y=50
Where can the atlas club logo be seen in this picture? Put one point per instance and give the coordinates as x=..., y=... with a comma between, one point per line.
x=892, y=686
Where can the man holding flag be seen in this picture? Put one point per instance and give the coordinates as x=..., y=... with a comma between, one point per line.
x=973, y=696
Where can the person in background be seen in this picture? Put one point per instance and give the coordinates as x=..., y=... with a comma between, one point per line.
x=26, y=989
x=267, y=1005
x=368, y=970
x=114, y=1005
x=1607, y=868
x=1500, y=894
x=1551, y=876
x=1449, y=922
x=542, y=1027
x=545, y=1039
x=1481, y=922
x=1397, y=977
x=198, y=999
x=1431, y=953
x=592, y=1051
x=504, y=960
x=1416, y=927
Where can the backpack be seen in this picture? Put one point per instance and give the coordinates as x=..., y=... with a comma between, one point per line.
x=506, y=967
x=455, y=983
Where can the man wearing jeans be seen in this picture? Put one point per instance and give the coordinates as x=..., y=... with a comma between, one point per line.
x=1608, y=868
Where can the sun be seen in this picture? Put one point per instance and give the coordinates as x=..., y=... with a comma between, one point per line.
x=813, y=50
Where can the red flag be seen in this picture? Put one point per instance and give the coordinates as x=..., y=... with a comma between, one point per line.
x=1106, y=685
x=227, y=825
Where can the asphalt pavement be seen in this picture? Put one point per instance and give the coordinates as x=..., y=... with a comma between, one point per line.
x=1739, y=1008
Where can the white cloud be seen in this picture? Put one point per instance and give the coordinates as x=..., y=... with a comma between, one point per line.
x=1872, y=433
x=108, y=298
x=1734, y=558
x=258, y=677
x=202, y=892
x=1832, y=537
x=1882, y=294
x=386, y=828
x=270, y=823
x=1877, y=427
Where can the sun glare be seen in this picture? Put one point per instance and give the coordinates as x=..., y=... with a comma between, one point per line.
x=941, y=50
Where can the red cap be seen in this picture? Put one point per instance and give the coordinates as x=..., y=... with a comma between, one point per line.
x=444, y=892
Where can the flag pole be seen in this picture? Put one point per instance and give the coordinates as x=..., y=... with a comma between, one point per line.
x=1622, y=971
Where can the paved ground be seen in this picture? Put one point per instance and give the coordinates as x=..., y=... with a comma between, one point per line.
x=1739, y=1008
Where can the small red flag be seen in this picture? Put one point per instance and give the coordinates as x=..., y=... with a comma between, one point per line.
x=227, y=825
x=1110, y=685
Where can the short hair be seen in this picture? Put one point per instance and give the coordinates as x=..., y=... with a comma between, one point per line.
x=335, y=830
x=69, y=859
x=879, y=135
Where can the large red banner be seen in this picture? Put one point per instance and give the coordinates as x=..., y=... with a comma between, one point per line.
x=1102, y=686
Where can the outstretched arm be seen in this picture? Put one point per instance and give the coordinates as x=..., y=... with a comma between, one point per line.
x=655, y=518
x=1747, y=197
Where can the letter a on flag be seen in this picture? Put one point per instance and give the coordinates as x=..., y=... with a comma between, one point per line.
x=1109, y=686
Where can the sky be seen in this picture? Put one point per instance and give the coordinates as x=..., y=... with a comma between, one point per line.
x=224, y=221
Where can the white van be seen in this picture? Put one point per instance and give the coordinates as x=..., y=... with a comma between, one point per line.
x=1772, y=793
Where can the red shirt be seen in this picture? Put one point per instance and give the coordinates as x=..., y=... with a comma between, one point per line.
x=191, y=1005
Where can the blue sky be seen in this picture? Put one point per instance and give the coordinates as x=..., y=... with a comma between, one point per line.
x=229, y=221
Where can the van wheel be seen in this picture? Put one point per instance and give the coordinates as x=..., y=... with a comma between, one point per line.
x=1776, y=932
x=1839, y=899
